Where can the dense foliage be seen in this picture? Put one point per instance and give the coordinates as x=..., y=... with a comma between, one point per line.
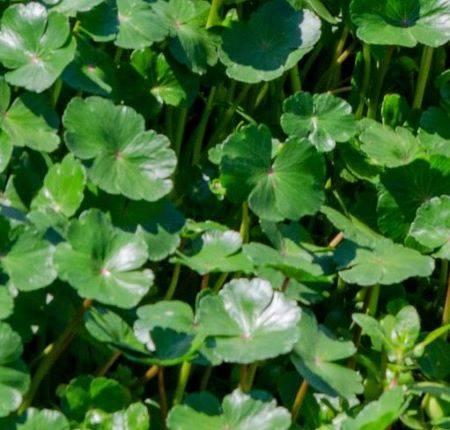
x=224, y=215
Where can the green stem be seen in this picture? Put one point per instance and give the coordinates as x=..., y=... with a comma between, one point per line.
x=299, y=399
x=201, y=128
x=183, y=378
x=214, y=13
x=102, y=371
x=219, y=283
x=228, y=115
x=205, y=378
x=56, y=92
x=366, y=80
x=169, y=123
x=118, y=55
x=53, y=354
x=334, y=72
x=446, y=313
x=247, y=376
x=294, y=76
x=162, y=395
x=382, y=70
x=373, y=300
x=422, y=79
x=261, y=94
x=245, y=223
x=173, y=282
x=179, y=130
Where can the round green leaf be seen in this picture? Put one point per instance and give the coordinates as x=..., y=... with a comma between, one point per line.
x=35, y=419
x=127, y=159
x=86, y=393
x=249, y=321
x=431, y=227
x=29, y=262
x=216, y=251
x=14, y=380
x=35, y=44
x=135, y=417
x=240, y=411
x=322, y=118
x=402, y=22
x=247, y=170
x=315, y=356
x=101, y=262
x=190, y=43
x=272, y=41
x=404, y=189
x=31, y=122
x=386, y=263
x=388, y=147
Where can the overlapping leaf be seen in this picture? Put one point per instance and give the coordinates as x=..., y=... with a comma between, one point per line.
x=316, y=355
x=216, y=251
x=402, y=22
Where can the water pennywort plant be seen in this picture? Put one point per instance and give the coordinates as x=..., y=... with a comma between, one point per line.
x=224, y=214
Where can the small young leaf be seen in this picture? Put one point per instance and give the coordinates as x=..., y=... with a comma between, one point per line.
x=322, y=118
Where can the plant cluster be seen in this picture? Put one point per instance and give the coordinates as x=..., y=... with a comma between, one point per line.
x=224, y=215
